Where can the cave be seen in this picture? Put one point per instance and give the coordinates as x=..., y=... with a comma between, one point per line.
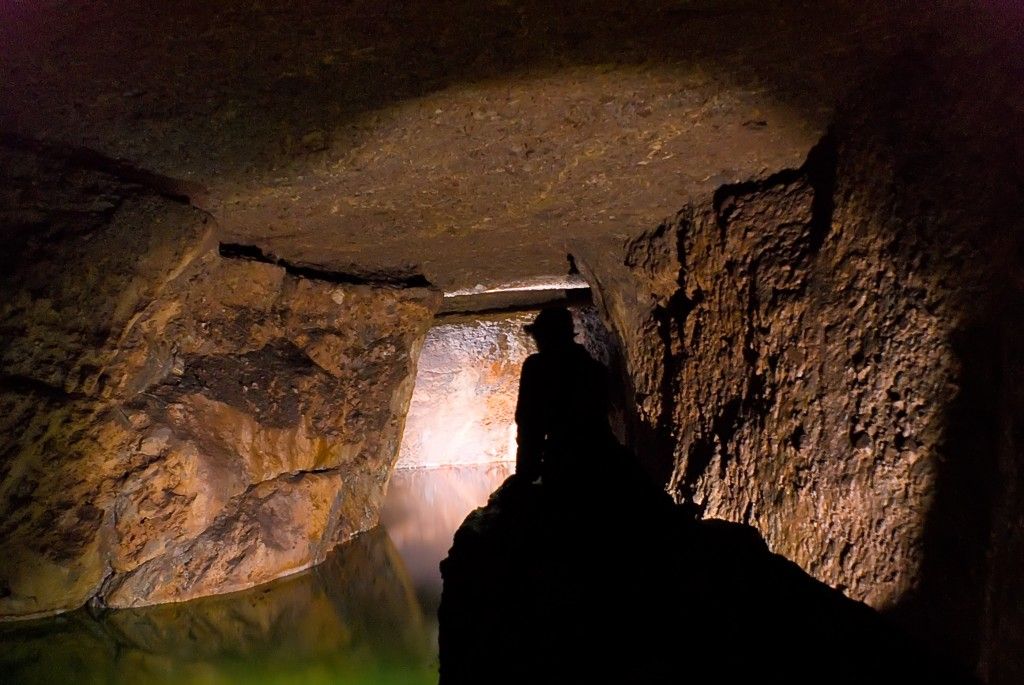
x=262, y=261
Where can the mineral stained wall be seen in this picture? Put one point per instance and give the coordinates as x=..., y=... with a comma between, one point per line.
x=175, y=423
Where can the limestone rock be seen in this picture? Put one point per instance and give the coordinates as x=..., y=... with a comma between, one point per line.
x=780, y=363
x=176, y=423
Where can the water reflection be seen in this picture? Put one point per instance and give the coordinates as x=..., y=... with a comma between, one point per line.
x=353, y=619
x=366, y=616
x=424, y=508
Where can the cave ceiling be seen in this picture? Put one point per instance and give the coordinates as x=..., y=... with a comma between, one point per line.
x=471, y=141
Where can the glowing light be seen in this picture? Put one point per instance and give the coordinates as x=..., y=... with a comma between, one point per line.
x=460, y=436
x=539, y=283
x=463, y=404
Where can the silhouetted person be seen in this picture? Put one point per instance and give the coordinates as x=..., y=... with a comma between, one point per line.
x=595, y=576
x=562, y=410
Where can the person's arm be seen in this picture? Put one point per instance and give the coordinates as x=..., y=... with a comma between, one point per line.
x=529, y=420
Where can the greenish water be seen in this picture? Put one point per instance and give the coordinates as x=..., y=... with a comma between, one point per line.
x=353, y=619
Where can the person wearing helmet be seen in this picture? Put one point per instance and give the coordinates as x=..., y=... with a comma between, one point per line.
x=562, y=409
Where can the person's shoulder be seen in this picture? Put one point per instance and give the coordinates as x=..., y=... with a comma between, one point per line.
x=583, y=353
x=533, y=361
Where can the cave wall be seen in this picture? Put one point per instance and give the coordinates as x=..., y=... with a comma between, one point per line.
x=176, y=423
x=831, y=354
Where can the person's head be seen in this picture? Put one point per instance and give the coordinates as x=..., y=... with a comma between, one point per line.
x=553, y=327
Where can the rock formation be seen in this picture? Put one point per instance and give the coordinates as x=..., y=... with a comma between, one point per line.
x=178, y=423
x=829, y=355
x=463, y=409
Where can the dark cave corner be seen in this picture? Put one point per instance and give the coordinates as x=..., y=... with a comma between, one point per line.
x=956, y=216
x=967, y=601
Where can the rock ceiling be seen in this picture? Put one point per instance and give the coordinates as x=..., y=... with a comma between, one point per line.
x=470, y=141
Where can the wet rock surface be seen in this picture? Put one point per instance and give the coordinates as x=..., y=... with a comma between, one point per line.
x=179, y=424
x=603, y=580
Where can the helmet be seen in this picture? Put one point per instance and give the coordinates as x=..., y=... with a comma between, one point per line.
x=552, y=322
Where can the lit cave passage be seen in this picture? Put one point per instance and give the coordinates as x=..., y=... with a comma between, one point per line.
x=235, y=235
x=459, y=441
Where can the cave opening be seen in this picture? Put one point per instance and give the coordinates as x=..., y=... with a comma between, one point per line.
x=459, y=440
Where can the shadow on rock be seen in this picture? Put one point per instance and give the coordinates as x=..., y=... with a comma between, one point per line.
x=602, y=579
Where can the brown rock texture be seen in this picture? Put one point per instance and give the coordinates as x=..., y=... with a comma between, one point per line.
x=772, y=384
x=473, y=140
x=831, y=355
x=438, y=134
x=176, y=423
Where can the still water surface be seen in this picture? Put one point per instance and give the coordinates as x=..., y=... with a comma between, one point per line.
x=366, y=616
